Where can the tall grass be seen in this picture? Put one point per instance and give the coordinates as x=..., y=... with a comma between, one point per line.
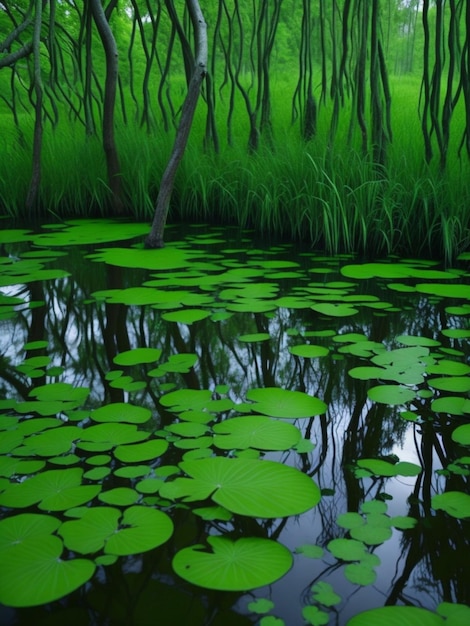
x=322, y=194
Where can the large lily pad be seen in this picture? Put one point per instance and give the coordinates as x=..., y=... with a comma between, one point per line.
x=239, y=565
x=255, y=431
x=455, y=503
x=285, y=403
x=396, y=616
x=121, y=412
x=246, y=486
x=34, y=573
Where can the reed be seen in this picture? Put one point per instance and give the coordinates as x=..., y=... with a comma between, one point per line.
x=328, y=196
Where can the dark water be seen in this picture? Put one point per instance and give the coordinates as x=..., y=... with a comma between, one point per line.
x=81, y=327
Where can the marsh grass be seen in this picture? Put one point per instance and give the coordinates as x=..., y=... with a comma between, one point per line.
x=328, y=196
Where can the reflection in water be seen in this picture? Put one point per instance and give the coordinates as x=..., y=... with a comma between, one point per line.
x=83, y=334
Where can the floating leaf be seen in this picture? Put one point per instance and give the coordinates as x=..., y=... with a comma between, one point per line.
x=458, y=384
x=310, y=551
x=396, y=616
x=285, y=403
x=309, y=351
x=462, y=434
x=137, y=452
x=89, y=533
x=186, y=316
x=186, y=399
x=250, y=487
x=239, y=565
x=260, y=606
x=143, y=529
x=384, y=468
x=454, y=405
x=255, y=431
x=121, y=412
x=120, y=496
x=347, y=549
x=360, y=574
x=314, y=616
x=137, y=356
x=34, y=573
x=455, y=503
x=335, y=310
x=323, y=594
x=254, y=337
x=55, y=490
x=391, y=394
x=371, y=534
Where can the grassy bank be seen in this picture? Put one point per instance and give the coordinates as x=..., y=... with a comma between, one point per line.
x=328, y=196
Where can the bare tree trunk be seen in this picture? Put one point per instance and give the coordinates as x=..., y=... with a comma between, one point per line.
x=155, y=237
x=109, y=144
x=33, y=192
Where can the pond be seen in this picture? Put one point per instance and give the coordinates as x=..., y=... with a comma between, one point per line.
x=230, y=432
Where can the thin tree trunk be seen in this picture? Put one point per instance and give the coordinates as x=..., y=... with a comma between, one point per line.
x=33, y=192
x=109, y=144
x=155, y=237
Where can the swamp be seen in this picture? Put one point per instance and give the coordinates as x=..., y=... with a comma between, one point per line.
x=229, y=432
x=234, y=313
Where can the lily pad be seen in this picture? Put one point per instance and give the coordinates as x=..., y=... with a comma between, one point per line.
x=239, y=565
x=34, y=573
x=247, y=487
x=121, y=412
x=391, y=394
x=285, y=403
x=309, y=351
x=455, y=503
x=136, y=356
x=255, y=431
x=142, y=529
x=396, y=616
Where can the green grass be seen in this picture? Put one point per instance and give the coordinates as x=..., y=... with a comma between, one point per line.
x=330, y=197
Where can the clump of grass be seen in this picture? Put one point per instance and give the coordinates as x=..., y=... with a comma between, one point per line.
x=324, y=194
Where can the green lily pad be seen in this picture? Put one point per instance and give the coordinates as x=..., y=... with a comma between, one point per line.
x=323, y=594
x=454, y=405
x=311, y=614
x=239, y=565
x=310, y=551
x=87, y=231
x=370, y=534
x=121, y=412
x=457, y=384
x=186, y=399
x=285, y=403
x=462, y=434
x=335, y=309
x=391, y=394
x=255, y=431
x=55, y=490
x=142, y=529
x=309, y=351
x=396, y=616
x=347, y=549
x=378, y=467
x=119, y=496
x=137, y=452
x=186, y=316
x=247, y=487
x=360, y=574
x=136, y=356
x=33, y=572
x=254, y=337
x=89, y=533
x=455, y=503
